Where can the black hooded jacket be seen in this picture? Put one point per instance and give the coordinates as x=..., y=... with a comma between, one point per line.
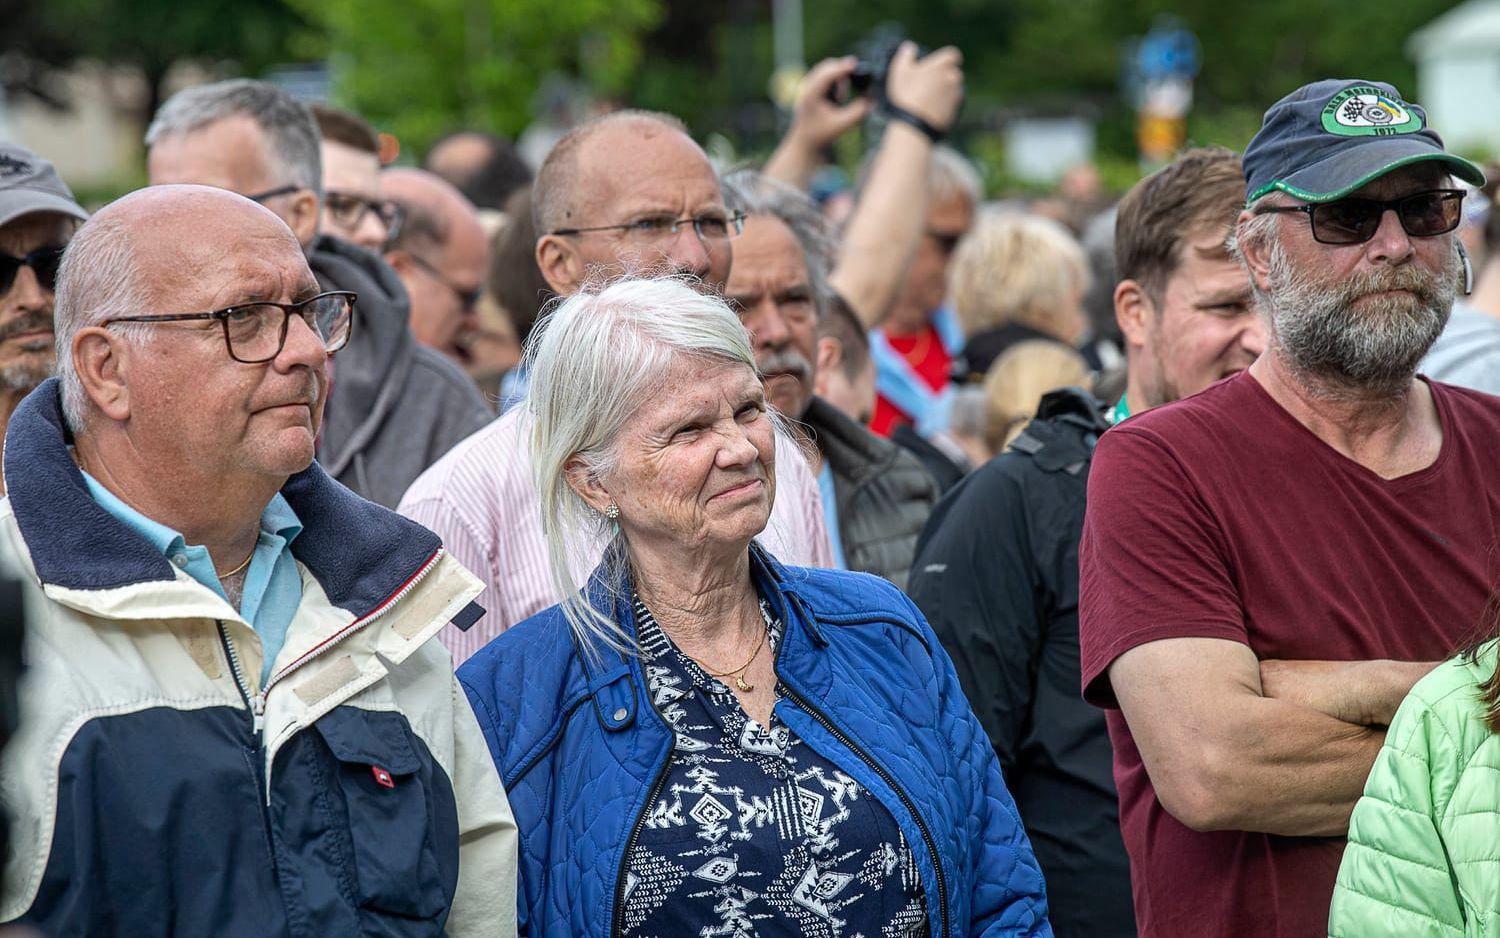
x=395, y=406
x=996, y=574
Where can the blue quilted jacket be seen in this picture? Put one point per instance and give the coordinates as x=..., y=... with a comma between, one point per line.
x=581, y=751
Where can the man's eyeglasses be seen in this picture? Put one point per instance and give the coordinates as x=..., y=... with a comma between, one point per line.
x=651, y=230
x=273, y=193
x=348, y=211
x=43, y=263
x=256, y=332
x=1355, y=221
x=469, y=298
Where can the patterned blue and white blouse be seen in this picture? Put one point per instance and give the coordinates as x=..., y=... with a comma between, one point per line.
x=752, y=831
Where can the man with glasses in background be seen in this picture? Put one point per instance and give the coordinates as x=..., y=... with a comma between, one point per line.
x=1269, y=565
x=441, y=255
x=395, y=405
x=354, y=207
x=37, y=217
x=237, y=719
x=626, y=194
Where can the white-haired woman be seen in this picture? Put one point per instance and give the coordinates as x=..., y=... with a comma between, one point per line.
x=702, y=741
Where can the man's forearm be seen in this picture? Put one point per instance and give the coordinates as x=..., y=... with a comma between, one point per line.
x=881, y=236
x=1272, y=766
x=1363, y=692
x=794, y=162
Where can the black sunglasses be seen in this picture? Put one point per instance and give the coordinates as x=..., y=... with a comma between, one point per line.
x=1355, y=221
x=43, y=263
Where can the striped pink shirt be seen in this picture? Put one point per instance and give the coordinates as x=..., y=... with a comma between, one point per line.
x=480, y=500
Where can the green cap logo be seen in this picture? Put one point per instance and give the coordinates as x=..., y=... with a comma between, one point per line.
x=1366, y=111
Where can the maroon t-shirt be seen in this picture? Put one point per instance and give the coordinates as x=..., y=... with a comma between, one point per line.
x=1221, y=516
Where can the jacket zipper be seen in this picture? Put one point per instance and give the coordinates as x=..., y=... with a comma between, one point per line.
x=858, y=750
x=254, y=702
x=617, y=926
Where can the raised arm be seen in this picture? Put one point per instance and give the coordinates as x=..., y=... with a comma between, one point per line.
x=1223, y=756
x=816, y=123
x=882, y=233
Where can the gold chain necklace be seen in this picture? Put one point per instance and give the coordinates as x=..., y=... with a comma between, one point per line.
x=739, y=672
x=236, y=570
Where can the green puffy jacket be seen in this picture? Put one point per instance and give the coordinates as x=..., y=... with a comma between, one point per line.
x=1424, y=841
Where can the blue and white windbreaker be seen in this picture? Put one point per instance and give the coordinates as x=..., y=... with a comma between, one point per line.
x=155, y=790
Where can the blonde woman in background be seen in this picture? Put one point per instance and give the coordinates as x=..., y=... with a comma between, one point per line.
x=1017, y=277
x=1019, y=378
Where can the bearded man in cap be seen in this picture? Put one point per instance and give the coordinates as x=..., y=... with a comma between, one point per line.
x=37, y=218
x=1268, y=566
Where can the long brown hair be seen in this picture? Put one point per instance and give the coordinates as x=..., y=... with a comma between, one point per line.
x=1489, y=691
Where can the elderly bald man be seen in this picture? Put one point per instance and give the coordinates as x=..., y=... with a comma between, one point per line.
x=626, y=194
x=441, y=254
x=236, y=720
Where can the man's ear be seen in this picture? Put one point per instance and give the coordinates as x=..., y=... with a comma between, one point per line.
x=1134, y=312
x=586, y=484
x=830, y=356
x=100, y=358
x=302, y=215
x=1254, y=250
x=560, y=264
x=399, y=260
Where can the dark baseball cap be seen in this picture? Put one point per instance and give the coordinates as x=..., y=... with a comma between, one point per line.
x=1326, y=139
x=29, y=184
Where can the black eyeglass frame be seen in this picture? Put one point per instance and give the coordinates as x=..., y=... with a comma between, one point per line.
x=48, y=257
x=1310, y=209
x=734, y=226
x=222, y=315
x=273, y=193
x=469, y=298
x=381, y=207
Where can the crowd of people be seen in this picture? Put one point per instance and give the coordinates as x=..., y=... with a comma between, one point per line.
x=631, y=545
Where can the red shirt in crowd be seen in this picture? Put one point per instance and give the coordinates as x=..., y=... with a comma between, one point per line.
x=927, y=355
x=1221, y=516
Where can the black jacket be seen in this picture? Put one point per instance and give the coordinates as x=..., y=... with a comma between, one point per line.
x=996, y=574
x=883, y=493
x=395, y=406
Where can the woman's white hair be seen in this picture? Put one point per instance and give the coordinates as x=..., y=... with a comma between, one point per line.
x=98, y=281
x=593, y=359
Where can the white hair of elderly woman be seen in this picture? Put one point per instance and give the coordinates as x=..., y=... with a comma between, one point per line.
x=592, y=360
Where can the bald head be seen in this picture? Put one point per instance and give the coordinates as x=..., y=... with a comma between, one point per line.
x=625, y=169
x=166, y=249
x=440, y=253
x=484, y=167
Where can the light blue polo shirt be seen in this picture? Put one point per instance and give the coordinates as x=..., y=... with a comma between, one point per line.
x=831, y=515
x=273, y=584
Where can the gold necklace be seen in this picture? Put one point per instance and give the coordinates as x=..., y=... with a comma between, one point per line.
x=739, y=672
x=236, y=570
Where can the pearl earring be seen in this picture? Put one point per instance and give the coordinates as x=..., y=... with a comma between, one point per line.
x=612, y=511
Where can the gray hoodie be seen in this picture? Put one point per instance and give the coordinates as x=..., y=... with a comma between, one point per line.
x=395, y=406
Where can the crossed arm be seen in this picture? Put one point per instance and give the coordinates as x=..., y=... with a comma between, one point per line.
x=1234, y=743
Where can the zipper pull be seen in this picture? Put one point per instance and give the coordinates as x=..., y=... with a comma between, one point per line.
x=258, y=712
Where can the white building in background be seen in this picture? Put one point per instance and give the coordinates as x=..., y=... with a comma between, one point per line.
x=1458, y=75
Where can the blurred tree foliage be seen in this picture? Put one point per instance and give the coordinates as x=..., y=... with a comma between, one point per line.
x=418, y=68
x=39, y=40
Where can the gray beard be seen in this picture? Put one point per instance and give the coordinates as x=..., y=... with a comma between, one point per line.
x=24, y=376
x=1370, y=352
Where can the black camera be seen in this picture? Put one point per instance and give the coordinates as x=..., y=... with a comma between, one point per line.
x=869, y=76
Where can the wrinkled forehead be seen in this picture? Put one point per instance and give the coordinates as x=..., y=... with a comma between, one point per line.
x=222, y=261
x=644, y=166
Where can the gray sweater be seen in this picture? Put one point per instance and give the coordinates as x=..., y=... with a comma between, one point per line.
x=1468, y=352
x=395, y=406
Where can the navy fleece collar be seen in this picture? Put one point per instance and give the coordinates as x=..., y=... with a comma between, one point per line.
x=360, y=553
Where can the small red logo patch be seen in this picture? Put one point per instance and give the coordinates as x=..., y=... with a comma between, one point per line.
x=382, y=777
